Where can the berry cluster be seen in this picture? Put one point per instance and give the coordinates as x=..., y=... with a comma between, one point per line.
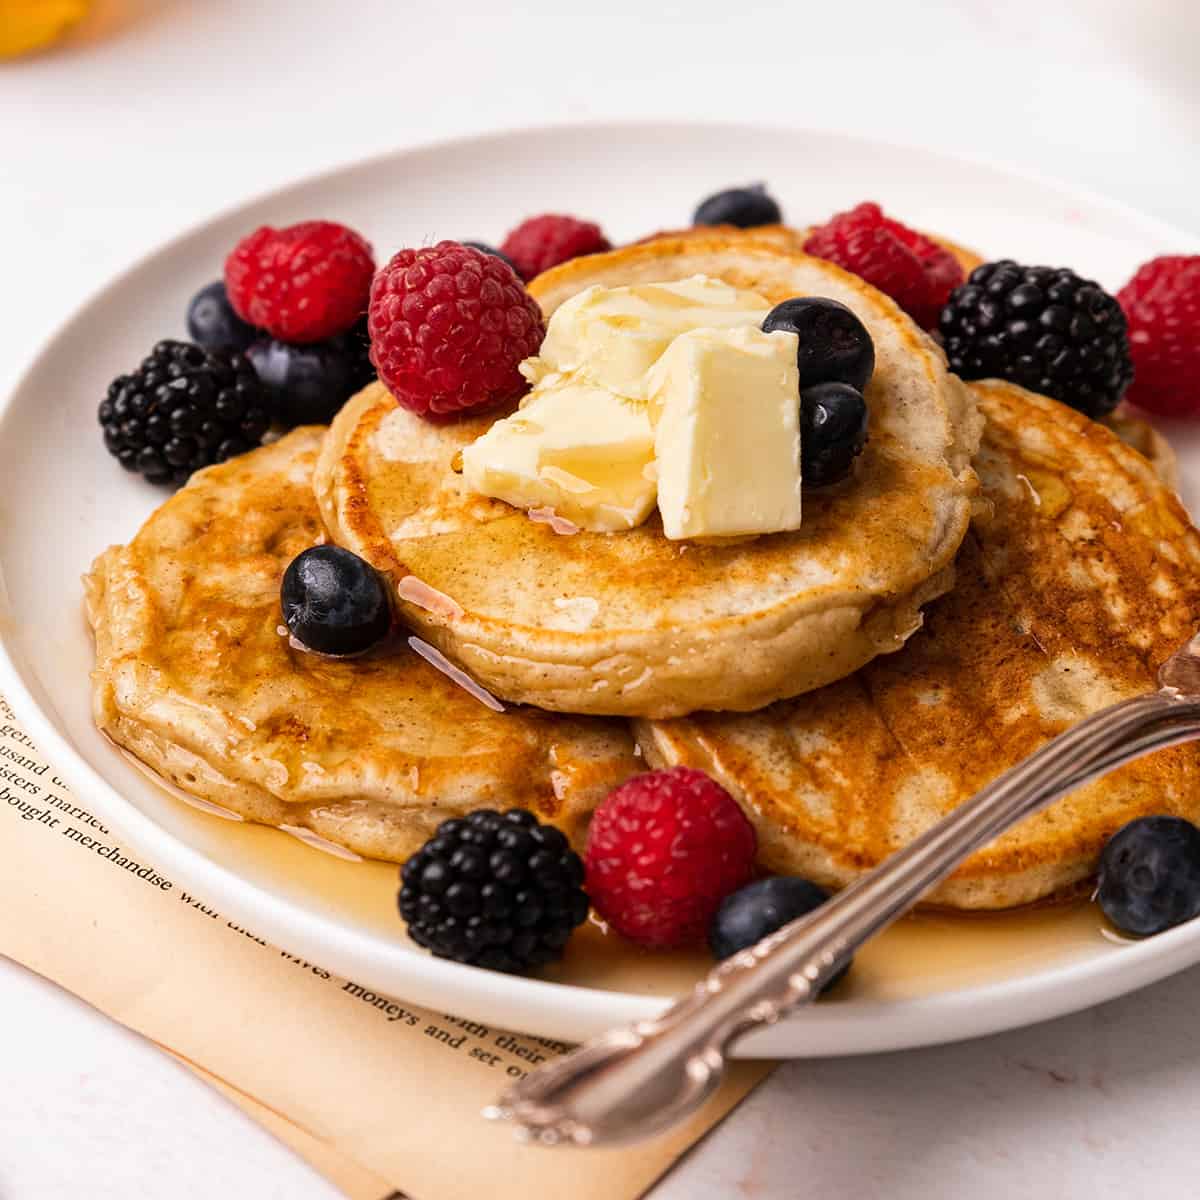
x=668, y=863
x=836, y=360
x=281, y=340
x=447, y=326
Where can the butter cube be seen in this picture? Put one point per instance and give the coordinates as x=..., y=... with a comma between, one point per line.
x=727, y=442
x=572, y=447
x=613, y=336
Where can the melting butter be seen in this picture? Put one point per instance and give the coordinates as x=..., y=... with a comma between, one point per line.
x=727, y=442
x=613, y=336
x=575, y=448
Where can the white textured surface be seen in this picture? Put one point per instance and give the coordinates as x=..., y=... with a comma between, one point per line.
x=181, y=108
x=89, y=1110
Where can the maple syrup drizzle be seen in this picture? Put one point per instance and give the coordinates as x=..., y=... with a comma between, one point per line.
x=922, y=955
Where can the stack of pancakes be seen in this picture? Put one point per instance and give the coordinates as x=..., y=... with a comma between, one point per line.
x=998, y=567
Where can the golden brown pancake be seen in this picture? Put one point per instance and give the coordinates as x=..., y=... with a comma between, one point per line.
x=1082, y=577
x=633, y=624
x=194, y=678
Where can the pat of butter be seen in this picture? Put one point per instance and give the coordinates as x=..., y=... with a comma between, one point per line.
x=727, y=441
x=613, y=336
x=573, y=447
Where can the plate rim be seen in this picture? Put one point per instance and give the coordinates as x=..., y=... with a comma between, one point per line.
x=938, y=1018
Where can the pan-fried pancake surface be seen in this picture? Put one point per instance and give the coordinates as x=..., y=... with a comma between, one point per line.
x=1083, y=577
x=631, y=623
x=194, y=678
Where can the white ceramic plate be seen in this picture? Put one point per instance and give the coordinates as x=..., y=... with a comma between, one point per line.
x=65, y=500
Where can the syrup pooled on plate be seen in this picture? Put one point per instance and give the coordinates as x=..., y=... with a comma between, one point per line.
x=923, y=954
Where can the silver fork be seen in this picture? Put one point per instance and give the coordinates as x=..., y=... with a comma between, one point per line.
x=631, y=1083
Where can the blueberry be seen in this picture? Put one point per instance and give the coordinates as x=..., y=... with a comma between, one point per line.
x=760, y=908
x=1150, y=875
x=308, y=384
x=486, y=249
x=744, y=207
x=334, y=602
x=212, y=322
x=835, y=346
x=833, y=432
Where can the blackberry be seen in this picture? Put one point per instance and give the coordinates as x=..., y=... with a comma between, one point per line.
x=1042, y=327
x=184, y=408
x=495, y=890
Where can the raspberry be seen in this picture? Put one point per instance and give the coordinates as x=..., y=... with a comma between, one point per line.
x=449, y=325
x=303, y=283
x=663, y=851
x=543, y=242
x=916, y=272
x=1162, y=306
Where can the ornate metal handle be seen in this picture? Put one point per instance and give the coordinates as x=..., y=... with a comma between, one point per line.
x=635, y=1082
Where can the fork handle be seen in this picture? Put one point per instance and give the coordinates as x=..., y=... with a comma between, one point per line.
x=757, y=986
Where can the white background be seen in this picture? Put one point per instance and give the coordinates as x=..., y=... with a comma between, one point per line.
x=160, y=113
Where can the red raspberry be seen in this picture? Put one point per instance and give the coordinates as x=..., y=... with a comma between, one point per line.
x=303, y=283
x=916, y=272
x=1162, y=306
x=448, y=326
x=663, y=851
x=543, y=242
